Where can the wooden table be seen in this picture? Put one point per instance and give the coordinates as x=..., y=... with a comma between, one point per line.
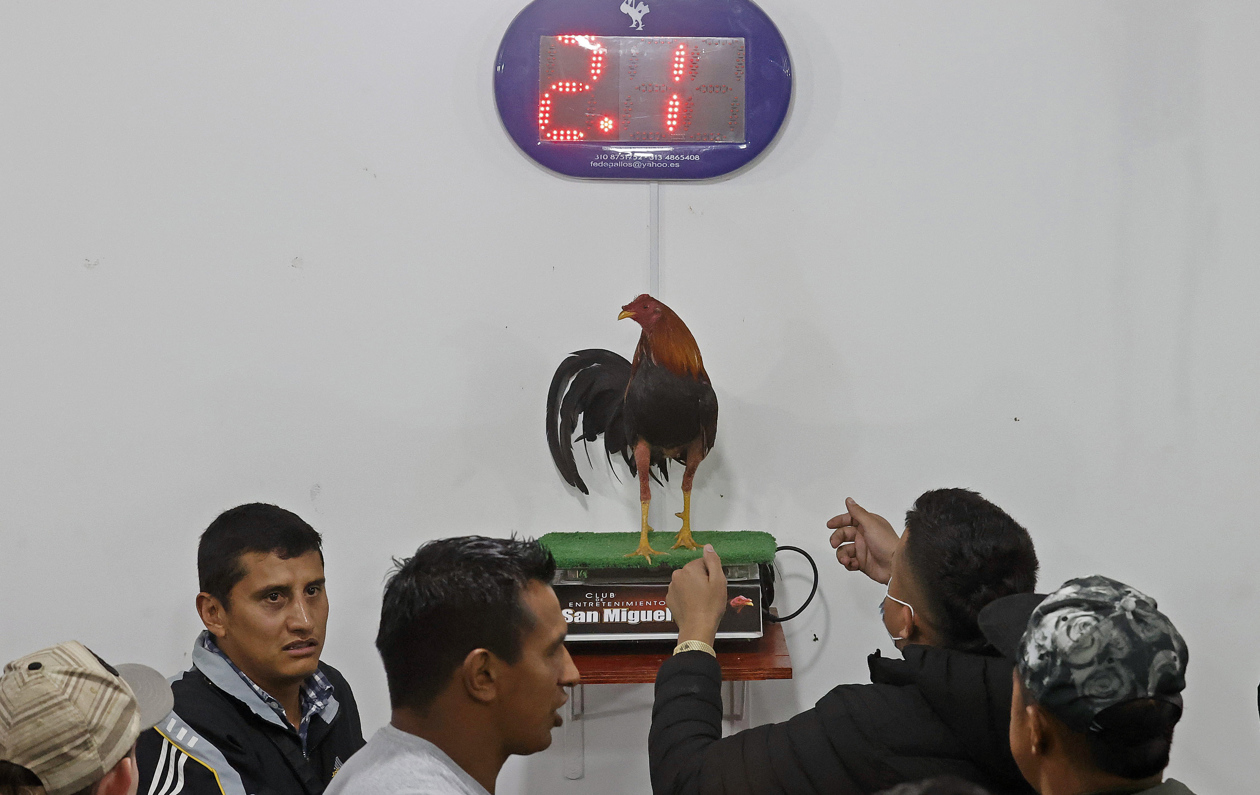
x=742, y=661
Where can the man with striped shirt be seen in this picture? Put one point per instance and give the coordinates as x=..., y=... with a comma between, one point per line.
x=258, y=712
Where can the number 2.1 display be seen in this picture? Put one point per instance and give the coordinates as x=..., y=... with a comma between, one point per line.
x=630, y=88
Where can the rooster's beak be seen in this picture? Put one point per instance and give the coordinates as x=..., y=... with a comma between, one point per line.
x=624, y=314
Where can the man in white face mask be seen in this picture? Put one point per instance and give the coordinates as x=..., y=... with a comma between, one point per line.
x=942, y=709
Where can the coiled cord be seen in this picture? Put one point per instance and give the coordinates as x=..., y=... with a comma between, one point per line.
x=767, y=587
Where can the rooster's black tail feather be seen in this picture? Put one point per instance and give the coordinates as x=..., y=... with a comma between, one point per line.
x=590, y=384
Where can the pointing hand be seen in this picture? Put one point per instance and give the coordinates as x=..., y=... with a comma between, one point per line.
x=863, y=541
x=697, y=597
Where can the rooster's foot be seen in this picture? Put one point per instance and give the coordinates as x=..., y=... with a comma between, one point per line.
x=684, y=539
x=645, y=549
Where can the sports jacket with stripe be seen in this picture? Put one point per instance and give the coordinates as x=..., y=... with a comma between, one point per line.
x=222, y=739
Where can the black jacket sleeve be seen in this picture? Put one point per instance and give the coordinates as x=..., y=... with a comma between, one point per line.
x=919, y=718
x=687, y=754
x=686, y=719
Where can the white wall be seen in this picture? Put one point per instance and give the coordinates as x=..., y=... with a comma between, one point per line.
x=284, y=252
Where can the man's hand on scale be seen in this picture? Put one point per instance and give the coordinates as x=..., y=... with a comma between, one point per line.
x=697, y=597
x=863, y=541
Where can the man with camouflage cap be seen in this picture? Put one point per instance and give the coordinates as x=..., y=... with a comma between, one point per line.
x=69, y=722
x=1097, y=687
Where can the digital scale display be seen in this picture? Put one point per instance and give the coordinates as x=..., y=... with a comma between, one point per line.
x=642, y=89
x=633, y=88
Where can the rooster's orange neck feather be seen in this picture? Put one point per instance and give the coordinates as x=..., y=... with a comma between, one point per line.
x=670, y=345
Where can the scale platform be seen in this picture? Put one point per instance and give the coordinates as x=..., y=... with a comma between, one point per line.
x=606, y=596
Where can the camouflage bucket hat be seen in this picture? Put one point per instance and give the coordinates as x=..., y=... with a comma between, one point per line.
x=1090, y=645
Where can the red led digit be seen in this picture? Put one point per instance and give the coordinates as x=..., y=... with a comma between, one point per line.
x=570, y=87
x=671, y=113
x=680, y=62
x=544, y=112
x=559, y=119
x=545, y=108
x=597, y=63
x=606, y=124
x=597, y=51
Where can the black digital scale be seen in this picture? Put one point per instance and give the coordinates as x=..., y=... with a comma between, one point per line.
x=629, y=604
x=607, y=597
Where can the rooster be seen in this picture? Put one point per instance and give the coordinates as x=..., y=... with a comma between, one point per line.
x=636, y=12
x=658, y=407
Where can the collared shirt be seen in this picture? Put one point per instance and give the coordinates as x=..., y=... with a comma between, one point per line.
x=313, y=698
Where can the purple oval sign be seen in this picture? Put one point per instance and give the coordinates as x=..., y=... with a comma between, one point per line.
x=643, y=89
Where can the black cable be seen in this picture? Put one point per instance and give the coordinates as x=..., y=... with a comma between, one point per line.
x=768, y=587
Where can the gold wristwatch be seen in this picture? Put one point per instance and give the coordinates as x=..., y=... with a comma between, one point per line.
x=694, y=645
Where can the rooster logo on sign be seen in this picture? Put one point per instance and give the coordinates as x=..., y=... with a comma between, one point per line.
x=636, y=12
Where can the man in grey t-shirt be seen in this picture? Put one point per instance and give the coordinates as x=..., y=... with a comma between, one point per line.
x=394, y=761
x=473, y=644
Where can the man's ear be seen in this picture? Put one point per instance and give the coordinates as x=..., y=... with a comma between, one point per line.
x=213, y=614
x=121, y=778
x=482, y=674
x=905, y=624
x=1039, y=734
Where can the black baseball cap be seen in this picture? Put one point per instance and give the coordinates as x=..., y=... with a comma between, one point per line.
x=1090, y=645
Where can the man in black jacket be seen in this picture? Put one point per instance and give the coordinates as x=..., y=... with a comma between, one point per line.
x=942, y=709
x=258, y=713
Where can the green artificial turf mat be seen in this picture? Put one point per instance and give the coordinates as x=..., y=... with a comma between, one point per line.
x=609, y=550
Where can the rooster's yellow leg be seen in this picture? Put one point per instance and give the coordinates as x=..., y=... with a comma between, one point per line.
x=684, y=538
x=695, y=454
x=645, y=549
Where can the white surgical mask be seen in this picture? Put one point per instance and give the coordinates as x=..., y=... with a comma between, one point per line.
x=898, y=601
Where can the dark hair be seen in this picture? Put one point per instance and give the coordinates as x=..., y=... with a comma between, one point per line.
x=254, y=527
x=15, y=779
x=1133, y=739
x=18, y=780
x=939, y=785
x=965, y=552
x=455, y=595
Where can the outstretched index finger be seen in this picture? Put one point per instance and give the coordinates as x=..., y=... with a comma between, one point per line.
x=852, y=518
x=856, y=511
